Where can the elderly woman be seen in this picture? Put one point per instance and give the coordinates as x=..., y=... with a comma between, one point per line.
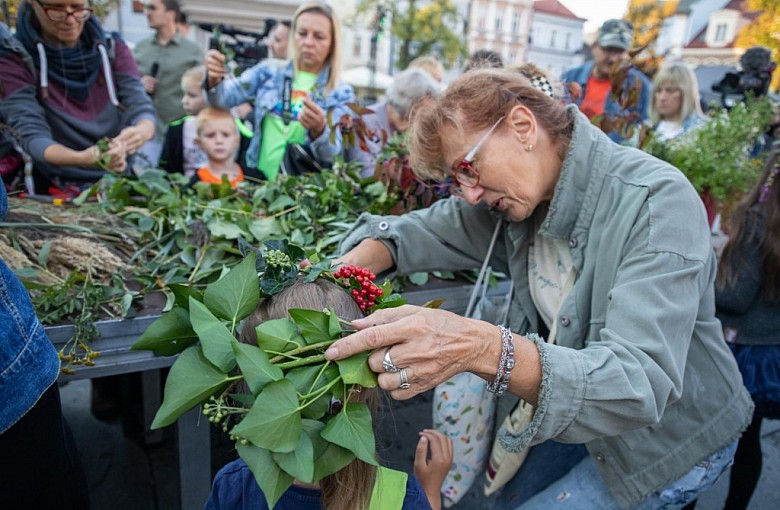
x=65, y=86
x=676, y=107
x=391, y=115
x=310, y=82
x=609, y=253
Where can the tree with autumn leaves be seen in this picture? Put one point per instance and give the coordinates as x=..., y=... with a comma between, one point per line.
x=648, y=17
x=422, y=28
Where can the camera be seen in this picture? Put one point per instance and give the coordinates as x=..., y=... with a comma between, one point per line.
x=754, y=79
x=247, y=47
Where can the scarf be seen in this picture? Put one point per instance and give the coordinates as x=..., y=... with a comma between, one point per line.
x=74, y=69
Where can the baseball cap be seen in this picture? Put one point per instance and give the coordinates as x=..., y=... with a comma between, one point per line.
x=616, y=33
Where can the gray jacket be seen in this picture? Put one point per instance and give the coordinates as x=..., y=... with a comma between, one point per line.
x=640, y=372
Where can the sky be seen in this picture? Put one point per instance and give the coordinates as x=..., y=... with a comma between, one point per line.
x=596, y=11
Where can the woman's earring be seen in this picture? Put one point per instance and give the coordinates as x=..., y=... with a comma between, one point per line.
x=529, y=147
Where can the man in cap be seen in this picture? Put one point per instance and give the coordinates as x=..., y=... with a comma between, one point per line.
x=594, y=77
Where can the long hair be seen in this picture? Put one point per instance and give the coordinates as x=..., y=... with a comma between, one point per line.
x=681, y=76
x=764, y=199
x=334, y=57
x=351, y=487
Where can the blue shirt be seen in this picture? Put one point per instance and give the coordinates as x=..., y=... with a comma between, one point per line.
x=235, y=488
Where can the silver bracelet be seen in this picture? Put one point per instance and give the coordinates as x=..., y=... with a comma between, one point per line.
x=505, y=364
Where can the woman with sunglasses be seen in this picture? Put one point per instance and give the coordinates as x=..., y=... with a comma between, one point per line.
x=65, y=86
x=293, y=99
x=609, y=254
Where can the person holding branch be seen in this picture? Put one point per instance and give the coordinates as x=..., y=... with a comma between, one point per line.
x=601, y=261
x=292, y=99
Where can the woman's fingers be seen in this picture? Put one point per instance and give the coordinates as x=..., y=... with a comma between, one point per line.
x=371, y=338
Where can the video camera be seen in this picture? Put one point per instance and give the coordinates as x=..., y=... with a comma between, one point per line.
x=247, y=47
x=754, y=79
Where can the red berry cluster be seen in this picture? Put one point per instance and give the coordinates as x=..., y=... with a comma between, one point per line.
x=366, y=296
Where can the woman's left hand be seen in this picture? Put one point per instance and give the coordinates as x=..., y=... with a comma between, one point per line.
x=312, y=117
x=431, y=345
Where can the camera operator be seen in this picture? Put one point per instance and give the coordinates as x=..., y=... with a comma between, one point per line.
x=752, y=81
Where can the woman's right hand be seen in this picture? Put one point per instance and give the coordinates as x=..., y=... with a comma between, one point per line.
x=215, y=67
x=113, y=160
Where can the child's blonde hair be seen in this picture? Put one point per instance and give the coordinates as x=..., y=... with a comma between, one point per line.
x=193, y=76
x=210, y=114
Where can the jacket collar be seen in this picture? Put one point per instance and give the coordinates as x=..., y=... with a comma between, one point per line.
x=574, y=199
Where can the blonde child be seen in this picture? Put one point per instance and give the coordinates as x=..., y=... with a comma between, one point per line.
x=180, y=153
x=217, y=136
x=352, y=487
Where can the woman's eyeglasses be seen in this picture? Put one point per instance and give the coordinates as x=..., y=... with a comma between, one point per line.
x=61, y=13
x=464, y=174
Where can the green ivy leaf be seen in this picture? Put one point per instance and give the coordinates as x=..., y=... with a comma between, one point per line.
x=224, y=230
x=274, y=422
x=355, y=370
x=191, y=381
x=352, y=429
x=168, y=335
x=299, y=462
x=328, y=457
x=418, y=278
x=314, y=325
x=182, y=294
x=215, y=338
x=263, y=228
x=278, y=335
x=255, y=367
x=303, y=378
x=236, y=295
x=269, y=476
x=334, y=458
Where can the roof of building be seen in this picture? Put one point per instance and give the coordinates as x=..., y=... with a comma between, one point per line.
x=555, y=8
x=684, y=6
x=699, y=40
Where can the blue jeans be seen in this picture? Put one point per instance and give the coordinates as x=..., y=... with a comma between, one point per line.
x=583, y=488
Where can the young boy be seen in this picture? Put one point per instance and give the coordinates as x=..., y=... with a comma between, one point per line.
x=218, y=137
x=180, y=154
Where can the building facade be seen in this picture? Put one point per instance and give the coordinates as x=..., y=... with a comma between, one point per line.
x=500, y=25
x=556, y=37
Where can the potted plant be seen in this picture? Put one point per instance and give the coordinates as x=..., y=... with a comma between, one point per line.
x=719, y=158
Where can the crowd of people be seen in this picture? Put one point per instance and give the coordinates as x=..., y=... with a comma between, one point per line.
x=649, y=359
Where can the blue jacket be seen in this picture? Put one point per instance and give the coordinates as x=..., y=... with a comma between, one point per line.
x=28, y=361
x=235, y=488
x=263, y=84
x=581, y=75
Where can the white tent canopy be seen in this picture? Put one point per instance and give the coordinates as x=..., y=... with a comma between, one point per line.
x=361, y=77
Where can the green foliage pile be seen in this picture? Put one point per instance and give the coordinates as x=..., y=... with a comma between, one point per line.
x=718, y=156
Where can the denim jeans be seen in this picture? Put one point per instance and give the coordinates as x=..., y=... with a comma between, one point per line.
x=583, y=488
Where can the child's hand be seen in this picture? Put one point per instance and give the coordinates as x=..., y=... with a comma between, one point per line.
x=431, y=472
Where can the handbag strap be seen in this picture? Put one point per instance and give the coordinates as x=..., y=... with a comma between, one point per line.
x=483, y=270
x=287, y=114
